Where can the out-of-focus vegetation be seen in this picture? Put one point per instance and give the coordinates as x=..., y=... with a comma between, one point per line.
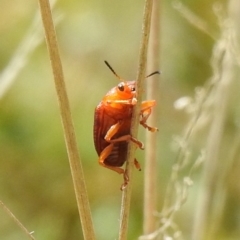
x=35, y=180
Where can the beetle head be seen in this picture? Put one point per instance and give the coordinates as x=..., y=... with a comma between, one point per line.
x=125, y=89
x=123, y=93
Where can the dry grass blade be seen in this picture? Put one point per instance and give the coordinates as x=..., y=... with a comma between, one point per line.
x=126, y=197
x=193, y=18
x=211, y=167
x=70, y=138
x=16, y=220
x=21, y=56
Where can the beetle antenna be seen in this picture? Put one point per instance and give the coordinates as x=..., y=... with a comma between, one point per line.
x=109, y=66
x=113, y=70
x=156, y=72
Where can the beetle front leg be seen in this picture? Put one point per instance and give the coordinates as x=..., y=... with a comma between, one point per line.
x=146, y=109
x=131, y=101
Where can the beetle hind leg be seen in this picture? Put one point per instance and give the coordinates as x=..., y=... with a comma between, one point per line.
x=126, y=177
x=104, y=154
x=126, y=180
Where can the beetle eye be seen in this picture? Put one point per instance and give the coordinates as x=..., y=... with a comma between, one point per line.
x=121, y=87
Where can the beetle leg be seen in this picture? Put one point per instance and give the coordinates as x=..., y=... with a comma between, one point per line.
x=132, y=101
x=128, y=138
x=126, y=180
x=114, y=129
x=126, y=177
x=104, y=154
x=146, y=109
x=137, y=164
x=147, y=104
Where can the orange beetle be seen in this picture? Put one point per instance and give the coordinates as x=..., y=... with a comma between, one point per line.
x=112, y=122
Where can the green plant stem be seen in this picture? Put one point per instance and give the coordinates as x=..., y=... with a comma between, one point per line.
x=126, y=196
x=69, y=133
x=150, y=164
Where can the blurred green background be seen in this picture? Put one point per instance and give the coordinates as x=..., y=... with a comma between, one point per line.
x=35, y=180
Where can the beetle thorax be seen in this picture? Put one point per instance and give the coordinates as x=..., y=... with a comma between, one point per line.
x=119, y=101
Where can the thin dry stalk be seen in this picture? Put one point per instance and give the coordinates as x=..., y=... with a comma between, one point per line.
x=177, y=191
x=151, y=153
x=126, y=196
x=193, y=19
x=70, y=138
x=178, y=187
x=8, y=211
